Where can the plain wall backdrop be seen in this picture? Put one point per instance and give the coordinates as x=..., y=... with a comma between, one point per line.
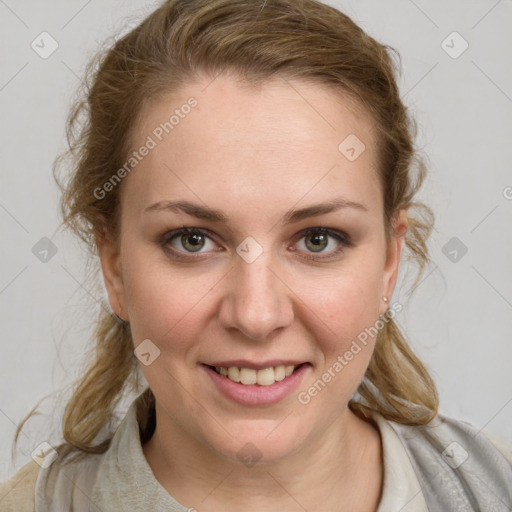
x=459, y=319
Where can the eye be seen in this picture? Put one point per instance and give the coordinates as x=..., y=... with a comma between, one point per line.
x=318, y=239
x=191, y=240
x=186, y=241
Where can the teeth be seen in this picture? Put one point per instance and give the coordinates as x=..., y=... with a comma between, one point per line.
x=280, y=372
x=234, y=374
x=265, y=377
x=288, y=370
x=249, y=376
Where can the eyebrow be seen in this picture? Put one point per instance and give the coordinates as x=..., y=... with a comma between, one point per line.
x=290, y=217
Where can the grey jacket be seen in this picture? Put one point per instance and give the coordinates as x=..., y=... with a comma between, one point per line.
x=457, y=467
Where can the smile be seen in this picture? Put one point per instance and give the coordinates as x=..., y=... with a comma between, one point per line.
x=266, y=385
x=250, y=376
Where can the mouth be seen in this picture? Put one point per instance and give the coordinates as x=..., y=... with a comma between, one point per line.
x=248, y=376
x=249, y=384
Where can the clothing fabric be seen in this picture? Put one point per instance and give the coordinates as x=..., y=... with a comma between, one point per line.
x=457, y=467
x=444, y=466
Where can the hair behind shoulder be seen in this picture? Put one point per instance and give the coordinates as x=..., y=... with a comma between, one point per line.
x=301, y=39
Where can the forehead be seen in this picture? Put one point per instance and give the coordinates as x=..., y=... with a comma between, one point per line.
x=278, y=141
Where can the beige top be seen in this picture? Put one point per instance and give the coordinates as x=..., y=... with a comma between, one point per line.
x=125, y=480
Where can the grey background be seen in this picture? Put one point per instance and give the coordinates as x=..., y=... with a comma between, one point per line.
x=459, y=318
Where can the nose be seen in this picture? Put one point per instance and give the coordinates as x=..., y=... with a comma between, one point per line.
x=257, y=303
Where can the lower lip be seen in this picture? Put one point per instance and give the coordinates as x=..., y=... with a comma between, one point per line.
x=255, y=394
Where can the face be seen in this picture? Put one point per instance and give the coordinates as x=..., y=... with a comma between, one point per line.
x=285, y=261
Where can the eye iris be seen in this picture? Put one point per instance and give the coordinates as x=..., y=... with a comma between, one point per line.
x=197, y=241
x=318, y=240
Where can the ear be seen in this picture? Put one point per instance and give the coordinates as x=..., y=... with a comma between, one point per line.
x=393, y=254
x=108, y=250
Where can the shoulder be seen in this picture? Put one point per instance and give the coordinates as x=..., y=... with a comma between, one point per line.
x=503, y=446
x=18, y=493
x=457, y=438
x=456, y=464
x=457, y=449
x=479, y=444
x=67, y=481
x=60, y=483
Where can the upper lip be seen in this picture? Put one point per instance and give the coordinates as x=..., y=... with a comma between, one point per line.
x=244, y=363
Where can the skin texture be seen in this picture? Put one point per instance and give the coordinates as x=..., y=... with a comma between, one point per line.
x=255, y=153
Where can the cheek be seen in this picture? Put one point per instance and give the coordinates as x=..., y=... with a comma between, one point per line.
x=347, y=300
x=344, y=338
x=164, y=305
x=347, y=303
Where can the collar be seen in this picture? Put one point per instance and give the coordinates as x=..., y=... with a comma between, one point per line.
x=125, y=479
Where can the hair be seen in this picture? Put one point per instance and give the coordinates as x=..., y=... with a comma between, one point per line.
x=296, y=39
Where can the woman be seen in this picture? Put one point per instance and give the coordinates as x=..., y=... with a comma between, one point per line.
x=270, y=139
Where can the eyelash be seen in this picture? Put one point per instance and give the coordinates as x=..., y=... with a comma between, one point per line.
x=342, y=238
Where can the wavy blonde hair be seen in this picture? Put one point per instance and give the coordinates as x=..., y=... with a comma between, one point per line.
x=300, y=39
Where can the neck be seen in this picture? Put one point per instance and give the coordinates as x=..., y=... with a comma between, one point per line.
x=340, y=469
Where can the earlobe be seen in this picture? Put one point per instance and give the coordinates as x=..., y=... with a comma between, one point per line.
x=110, y=259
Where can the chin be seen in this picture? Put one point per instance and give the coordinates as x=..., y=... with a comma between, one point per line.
x=259, y=441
